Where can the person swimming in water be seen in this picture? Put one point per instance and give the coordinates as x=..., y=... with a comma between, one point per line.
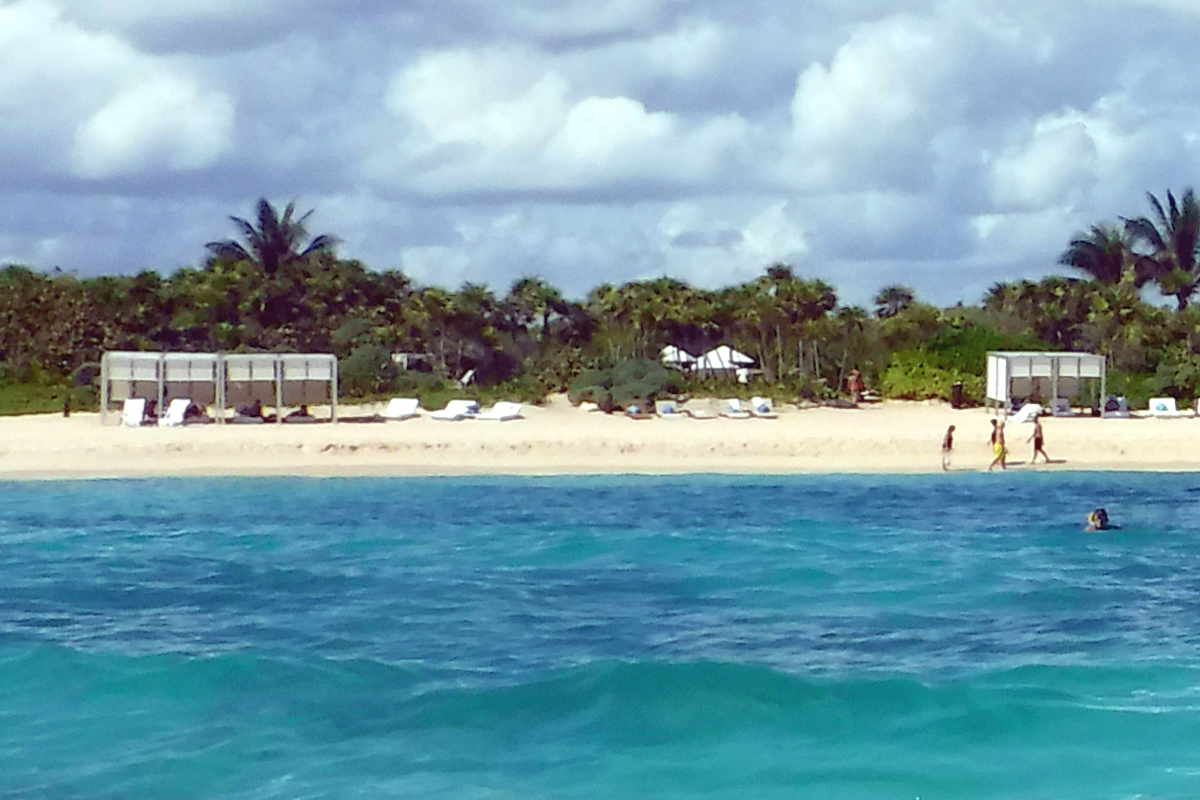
x=1097, y=520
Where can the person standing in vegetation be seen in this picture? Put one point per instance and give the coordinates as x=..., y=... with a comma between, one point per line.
x=947, y=447
x=998, y=449
x=1038, y=440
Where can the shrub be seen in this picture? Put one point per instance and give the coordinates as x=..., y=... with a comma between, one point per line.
x=911, y=376
x=366, y=371
x=627, y=382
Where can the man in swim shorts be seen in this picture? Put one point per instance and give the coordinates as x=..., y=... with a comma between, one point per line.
x=1037, y=438
x=998, y=450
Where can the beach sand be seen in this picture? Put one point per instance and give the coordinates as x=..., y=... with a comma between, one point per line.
x=560, y=439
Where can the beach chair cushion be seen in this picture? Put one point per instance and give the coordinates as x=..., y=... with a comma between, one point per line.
x=1027, y=413
x=133, y=412
x=733, y=409
x=1163, y=407
x=1061, y=407
x=667, y=409
x=399, y=408
x=456, y=410
x=1115, y=406
x=501, y=412
x=175, y=412
x=761, y=407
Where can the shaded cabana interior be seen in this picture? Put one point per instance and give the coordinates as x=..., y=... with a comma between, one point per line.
x=1041, y=377
x=220, y=381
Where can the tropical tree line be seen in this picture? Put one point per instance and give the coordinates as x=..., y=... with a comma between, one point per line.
x=276, y=288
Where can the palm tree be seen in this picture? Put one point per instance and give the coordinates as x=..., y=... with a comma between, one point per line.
x=534, y=298
x=274, y=242
x=1172, y=237
x=1104, y=253
x=891, y=300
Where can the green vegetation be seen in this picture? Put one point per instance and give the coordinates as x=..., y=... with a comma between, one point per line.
x=276, y=288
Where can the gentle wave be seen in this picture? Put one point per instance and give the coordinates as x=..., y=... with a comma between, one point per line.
x=141, y=718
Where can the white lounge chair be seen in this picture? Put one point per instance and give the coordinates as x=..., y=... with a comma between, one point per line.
x=133, y=412
x=456, y=410
x=501, y=412
x=733, y=409
x=1163, y=407
x=1027, y=413
x=1061, y=407
x=667, y=409
x=399, y=408
x=761, y=408
x=175, y=412
x=1115, y=407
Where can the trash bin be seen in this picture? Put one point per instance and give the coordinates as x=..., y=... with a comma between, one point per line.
x=956, y=397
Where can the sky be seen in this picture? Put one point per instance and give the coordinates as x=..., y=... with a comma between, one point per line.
x=943, y=145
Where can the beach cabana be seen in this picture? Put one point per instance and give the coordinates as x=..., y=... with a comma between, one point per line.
x=723, y=360
x=678, y=358
x=220, y=380
x=1030, y=375
x=280, y=379
x=158, y=377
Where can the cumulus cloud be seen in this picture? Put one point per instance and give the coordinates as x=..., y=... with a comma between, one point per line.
x=114, y=112
x=605, y=140
x=166, y=123
x=507, y=122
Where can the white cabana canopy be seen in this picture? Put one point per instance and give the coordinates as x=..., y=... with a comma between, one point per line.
x=723, y=358
x=1021, y=374
x=673, y=356
x=219, y=379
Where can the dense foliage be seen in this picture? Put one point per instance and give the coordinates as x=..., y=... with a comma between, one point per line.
x=277, y=289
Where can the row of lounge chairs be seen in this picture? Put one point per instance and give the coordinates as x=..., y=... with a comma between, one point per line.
x=134, y=412
x=1114, y=407
x=733, y=408
x=402, y=408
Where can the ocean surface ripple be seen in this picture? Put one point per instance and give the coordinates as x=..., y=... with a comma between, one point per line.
x=623, y=636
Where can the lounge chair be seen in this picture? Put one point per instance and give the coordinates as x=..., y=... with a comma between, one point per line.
x=133, y=412
x=1115, y=407
x=667, y=409
x=456, y=410
x=761, y=407
x=175, y=412
x=1027, y=413
x=1163, y=407
x=733, y=409
x=501, y=412
x=399, y=408
x=1061, y=407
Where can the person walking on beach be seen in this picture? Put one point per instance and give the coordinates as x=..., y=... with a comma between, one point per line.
x=947, y=446
x=998, y=446
x=1038, y=440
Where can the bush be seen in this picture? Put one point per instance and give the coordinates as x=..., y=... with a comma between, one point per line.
x=911, y=376
x=628, y=382
x=368, y=370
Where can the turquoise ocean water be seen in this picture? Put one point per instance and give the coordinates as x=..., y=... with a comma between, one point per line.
x=939, y=636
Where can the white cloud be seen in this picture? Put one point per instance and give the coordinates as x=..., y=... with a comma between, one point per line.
x=165, y=123
x=1054, y=166
x=506, y=120
x=114, y=110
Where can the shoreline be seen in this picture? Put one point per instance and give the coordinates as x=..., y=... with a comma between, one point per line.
x=893, y=437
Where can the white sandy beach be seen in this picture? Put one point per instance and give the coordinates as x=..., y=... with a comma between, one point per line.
x=558, y=438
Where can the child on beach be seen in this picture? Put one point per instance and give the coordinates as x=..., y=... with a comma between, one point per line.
x=947, y=447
